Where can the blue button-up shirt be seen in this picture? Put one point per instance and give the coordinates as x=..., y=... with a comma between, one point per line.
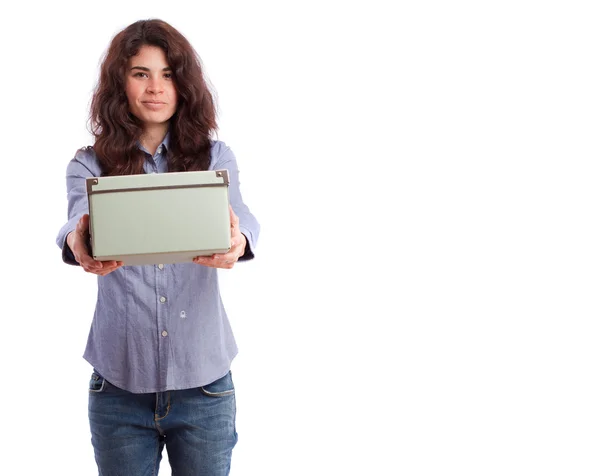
x=158, y=327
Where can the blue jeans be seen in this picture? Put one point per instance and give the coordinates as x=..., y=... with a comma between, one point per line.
x=129, y=430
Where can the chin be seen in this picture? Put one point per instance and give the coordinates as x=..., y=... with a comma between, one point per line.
x=154, y=120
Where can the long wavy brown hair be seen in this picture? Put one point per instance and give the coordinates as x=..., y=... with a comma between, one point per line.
x=117, y=131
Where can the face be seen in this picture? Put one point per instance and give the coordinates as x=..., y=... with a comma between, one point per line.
x=149, y=87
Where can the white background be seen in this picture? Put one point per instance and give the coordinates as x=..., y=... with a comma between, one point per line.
x=424, y=298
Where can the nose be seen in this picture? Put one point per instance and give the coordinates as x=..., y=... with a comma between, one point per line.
x=154, y=86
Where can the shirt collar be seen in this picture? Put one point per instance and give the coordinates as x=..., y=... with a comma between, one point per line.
x=166, y=140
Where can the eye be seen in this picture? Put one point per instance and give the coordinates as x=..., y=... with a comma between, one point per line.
x=169, y=75
x=139, y=74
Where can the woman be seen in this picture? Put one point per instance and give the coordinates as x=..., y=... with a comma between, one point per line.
x=160, y=342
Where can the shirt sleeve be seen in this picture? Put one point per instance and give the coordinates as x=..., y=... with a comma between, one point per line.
x=249, y=225
x=78, y=170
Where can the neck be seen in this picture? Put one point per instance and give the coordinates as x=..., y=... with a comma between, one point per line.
x=153, y=136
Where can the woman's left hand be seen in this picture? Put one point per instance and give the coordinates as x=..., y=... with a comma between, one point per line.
x=238, y=246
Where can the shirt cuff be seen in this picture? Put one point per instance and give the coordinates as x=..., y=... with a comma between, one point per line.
x=248, y=253
x=67, y=254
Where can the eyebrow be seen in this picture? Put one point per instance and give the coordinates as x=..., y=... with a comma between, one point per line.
x=143, y=68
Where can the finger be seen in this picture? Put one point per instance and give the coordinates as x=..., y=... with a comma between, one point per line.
x=218, y=260
x=236, y=235
x=104, y=272
x=203, y=259
x=114, y=265
x=206, y=263
x=110, y=264
x=233, y=219
x=107, y=270
x=86, y=262
x=83, y=225
x=108, y=267
x=238, y=245
x=91, y=266
x=236, y=238
x=227, y=258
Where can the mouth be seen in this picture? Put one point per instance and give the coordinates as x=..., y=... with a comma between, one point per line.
x=154, y=105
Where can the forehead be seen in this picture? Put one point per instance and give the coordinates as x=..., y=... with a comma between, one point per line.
x=149, y=56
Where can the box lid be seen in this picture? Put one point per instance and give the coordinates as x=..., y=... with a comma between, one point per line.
x=117, y=183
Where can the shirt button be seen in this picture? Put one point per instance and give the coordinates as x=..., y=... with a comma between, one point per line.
x=161, y=266
x=163, y=299
x=165, y=333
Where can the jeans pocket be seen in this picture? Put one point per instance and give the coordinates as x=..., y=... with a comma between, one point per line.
x=222, y=387
x=97, y=383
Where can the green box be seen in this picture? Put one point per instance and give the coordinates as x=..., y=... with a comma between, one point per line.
x=159, y=218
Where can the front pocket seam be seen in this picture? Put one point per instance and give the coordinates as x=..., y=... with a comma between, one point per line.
x=217, y=394
x=101, y=387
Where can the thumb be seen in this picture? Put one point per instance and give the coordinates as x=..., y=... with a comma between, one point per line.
x=84, y=224
x=231, y=216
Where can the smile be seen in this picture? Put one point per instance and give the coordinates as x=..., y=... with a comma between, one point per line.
x=153, y=105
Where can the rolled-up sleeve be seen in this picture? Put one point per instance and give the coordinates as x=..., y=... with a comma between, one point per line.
x=249, y=225
x=78, y=169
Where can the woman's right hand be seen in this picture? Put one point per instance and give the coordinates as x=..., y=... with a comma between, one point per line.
x=77, y=241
